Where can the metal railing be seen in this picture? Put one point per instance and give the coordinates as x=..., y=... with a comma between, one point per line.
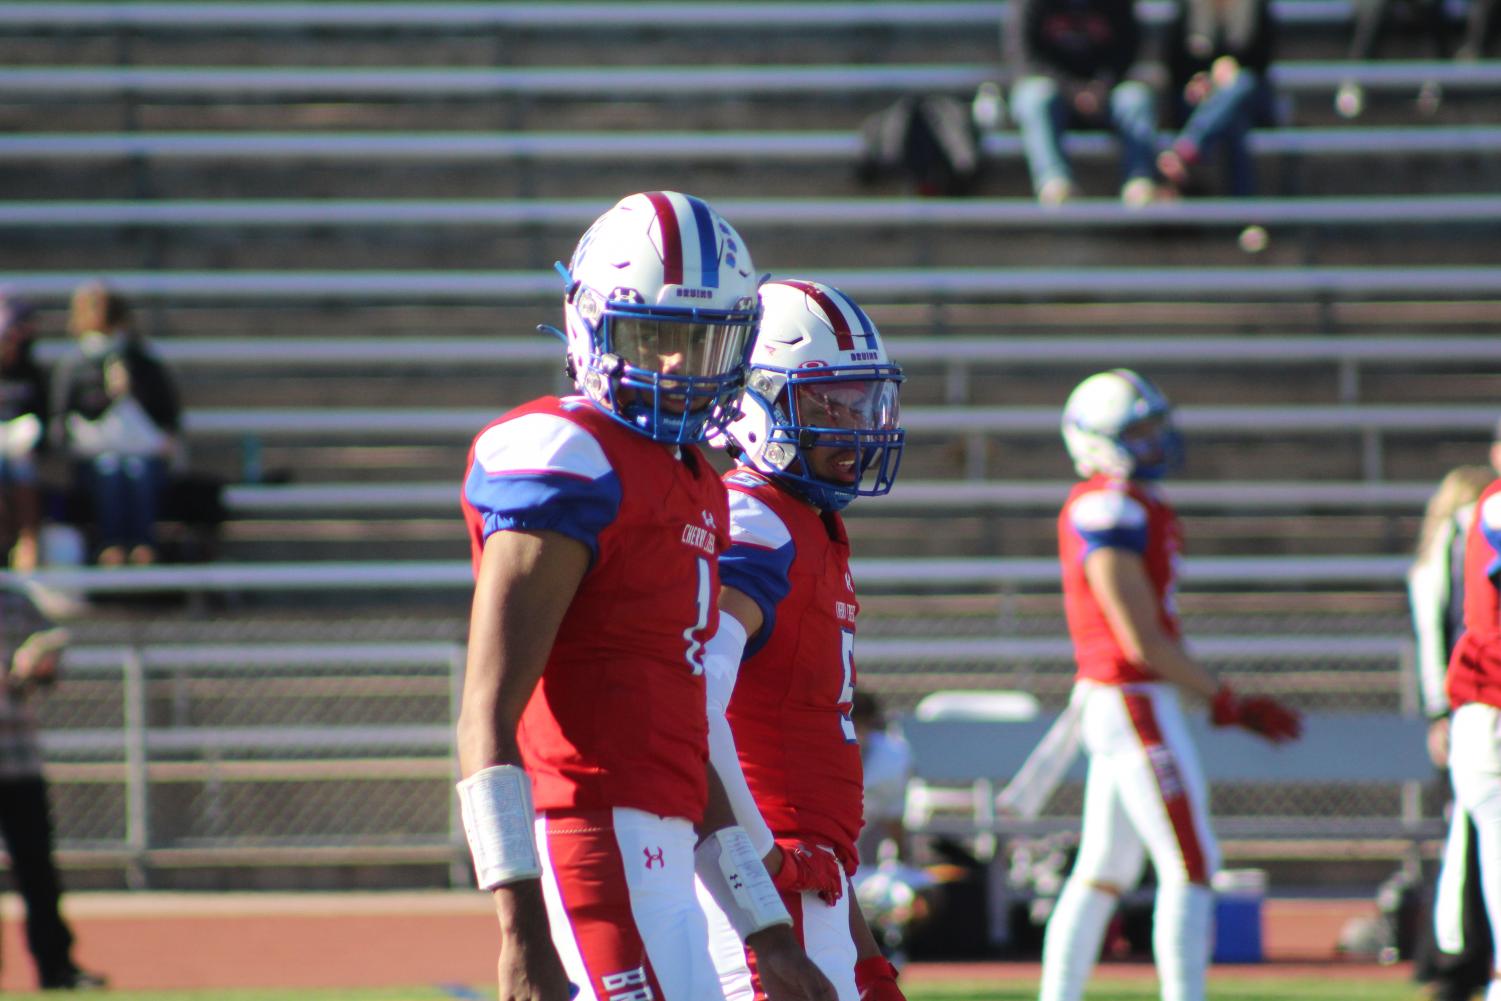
x=655, y=146
x=616, y=82
x=867, y=284
x=164, y=694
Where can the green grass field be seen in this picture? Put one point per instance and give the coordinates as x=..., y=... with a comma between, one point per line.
x=1337, y=987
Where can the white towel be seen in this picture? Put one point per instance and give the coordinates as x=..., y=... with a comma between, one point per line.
x=123, y=429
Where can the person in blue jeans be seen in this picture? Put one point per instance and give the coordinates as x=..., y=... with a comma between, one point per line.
x=1218, y=53
x=116, y=410
x=1070, y=63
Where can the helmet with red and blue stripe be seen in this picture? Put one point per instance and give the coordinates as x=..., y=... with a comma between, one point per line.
x=660, y=310
x=820, y=379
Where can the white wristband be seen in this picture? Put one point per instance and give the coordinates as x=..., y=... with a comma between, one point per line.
x=496, y=804
x=737, y=879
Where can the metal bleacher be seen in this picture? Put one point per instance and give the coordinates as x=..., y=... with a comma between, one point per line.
x=337, y=221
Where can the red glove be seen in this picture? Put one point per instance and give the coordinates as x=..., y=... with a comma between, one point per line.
x=1261, y=714
x=875, y=979
x=808, y=867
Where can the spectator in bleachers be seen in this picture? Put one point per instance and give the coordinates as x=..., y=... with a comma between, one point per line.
x=1435, y=587
x=1374, y=17
x=23, y=414
x=1070, y=63
x=1218, y=53
x=115, y=411
x=30, y=649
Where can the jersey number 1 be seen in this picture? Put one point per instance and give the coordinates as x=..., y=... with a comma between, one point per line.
x=695, y=654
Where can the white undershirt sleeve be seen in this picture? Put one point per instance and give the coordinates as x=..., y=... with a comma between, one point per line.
x=721, y=667
x=1428, y=598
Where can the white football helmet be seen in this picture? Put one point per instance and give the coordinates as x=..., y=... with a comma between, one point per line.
x=820, y=378
x=1119, y=424
x=660, y=309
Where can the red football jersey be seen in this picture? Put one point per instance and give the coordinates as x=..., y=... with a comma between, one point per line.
x=618, y=718
x=790, y=710
x=1475, y=665
x=1102, y=512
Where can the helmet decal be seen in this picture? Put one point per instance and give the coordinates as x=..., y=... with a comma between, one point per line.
x=837, y=310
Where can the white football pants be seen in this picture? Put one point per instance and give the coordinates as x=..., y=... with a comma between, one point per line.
x=1475, y=769
x=1145, y=796
x=619, y=887
x=824, y=932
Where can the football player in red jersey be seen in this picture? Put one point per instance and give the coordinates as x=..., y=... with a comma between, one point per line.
x=818, y=427
x=1474, y=687
x=595, y=525
x=1118, y=541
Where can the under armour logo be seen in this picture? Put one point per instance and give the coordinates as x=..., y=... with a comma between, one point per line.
x=653, y=859
x=708, y=517
x=849, y=582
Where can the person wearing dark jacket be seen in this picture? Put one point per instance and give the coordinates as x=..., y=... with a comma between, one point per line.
x=1218, y=53
x=23, y=416
x=30, y=650
x=1070, y=63
x=115, y=409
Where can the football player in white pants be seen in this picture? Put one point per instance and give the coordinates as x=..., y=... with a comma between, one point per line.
x=1145, y=795
x=1475, y=693
x=818, y=428
x=595, y=526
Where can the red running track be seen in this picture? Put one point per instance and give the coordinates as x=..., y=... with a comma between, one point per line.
x=153, y=941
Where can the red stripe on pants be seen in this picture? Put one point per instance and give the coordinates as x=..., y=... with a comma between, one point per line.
x=1169, y=784
x=591, y=880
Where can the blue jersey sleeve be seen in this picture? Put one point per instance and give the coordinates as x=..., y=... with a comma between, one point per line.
x=1488, y=523
x=1109, y=519
x=543, y=472
x=758, y=561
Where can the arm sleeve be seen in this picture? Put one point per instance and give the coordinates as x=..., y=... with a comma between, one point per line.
x=721, y=667
x=156, y=390
x=1488, y=524
x=1428, y=599
x=543, y=472
x=19, y=620
x=1109, y=519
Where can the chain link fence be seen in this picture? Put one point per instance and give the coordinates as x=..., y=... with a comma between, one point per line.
x=202, y=755
x=337, y=751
